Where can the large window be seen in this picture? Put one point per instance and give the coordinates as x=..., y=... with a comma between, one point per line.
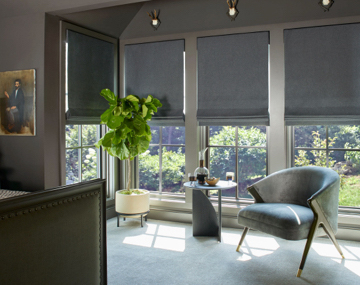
x=336, y=147
x=82, y=157
x=241, y=150
x=162, y=166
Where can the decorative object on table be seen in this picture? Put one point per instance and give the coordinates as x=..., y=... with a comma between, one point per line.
x=201, y=173
x=212, y=181
x=232, y=12
x=128, y=135
x=192, y=179
x=17, y=102
x=229, y=177
x=326, y=4
x=155, y=22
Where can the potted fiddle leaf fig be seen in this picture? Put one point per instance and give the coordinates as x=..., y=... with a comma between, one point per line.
x=129, y=135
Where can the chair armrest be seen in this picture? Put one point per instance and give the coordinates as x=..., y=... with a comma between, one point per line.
x=326, y=201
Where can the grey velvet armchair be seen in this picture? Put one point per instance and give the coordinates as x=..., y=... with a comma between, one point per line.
x=294, y=204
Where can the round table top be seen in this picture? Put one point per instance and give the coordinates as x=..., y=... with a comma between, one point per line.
x=221, y=185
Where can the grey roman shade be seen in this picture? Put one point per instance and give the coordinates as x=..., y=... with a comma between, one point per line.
x=233, y=79
x=157, y=69
x=91, y=68
x=322, y=75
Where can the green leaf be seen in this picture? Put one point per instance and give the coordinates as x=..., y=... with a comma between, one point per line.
x=106, y=140
x=109, y=96
x=121, y=151
x=118, y=137
x=114, y=122
x=144, y=110
x=106, y=115
x=149, y=99
x=135, y=105
x=139, y=125
x=143, y=145
x=117, y=111
x=156, y=103
x=132, y=98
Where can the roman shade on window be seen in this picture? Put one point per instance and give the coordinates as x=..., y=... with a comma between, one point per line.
x=322, y=72
x=91, y=68
x=233, y=79
x=157, y=69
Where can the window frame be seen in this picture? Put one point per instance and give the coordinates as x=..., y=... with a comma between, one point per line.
x=109, y=166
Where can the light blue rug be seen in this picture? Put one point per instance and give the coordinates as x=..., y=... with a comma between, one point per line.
x=166, y=253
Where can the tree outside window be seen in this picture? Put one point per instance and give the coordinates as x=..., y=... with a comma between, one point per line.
x=162, y=166
x=241, y=150
x=336, y=147
x=82, y=157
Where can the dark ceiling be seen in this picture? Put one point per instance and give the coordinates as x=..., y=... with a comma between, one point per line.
x=180, y=16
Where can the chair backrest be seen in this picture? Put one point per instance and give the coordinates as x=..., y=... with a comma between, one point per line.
x=294, y=185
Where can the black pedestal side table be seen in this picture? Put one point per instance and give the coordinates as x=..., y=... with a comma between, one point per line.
x=205, y=221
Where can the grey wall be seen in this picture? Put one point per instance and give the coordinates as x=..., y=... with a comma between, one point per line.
x=22, y=47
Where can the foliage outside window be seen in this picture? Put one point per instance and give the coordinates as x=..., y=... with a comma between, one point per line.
x=82, y=157
x=162, y=166
x=241, y=150
x=336, y=147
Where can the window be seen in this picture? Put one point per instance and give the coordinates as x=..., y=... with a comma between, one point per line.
x=241, y=150
x=336, y=147
x=162, y=166
x=82, y=157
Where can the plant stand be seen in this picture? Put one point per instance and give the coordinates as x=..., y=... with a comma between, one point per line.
x=144, y=214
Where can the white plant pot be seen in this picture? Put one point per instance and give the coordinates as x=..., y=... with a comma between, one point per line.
x=132, y=204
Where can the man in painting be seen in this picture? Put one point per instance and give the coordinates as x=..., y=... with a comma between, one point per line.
x=15, y=108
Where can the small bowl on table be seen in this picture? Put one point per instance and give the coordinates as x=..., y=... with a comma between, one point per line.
x=212, y=181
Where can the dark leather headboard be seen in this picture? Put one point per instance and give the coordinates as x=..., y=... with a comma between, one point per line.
x=56, y=236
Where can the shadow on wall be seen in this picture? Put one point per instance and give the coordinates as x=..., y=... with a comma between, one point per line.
x=4, y=182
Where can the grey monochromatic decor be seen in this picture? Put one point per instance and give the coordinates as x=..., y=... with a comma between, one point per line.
x=322, y=71
x=233, y=79
x=157, y=68
x=91, y=68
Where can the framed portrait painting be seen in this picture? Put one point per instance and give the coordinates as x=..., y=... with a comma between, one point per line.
x=17, y=102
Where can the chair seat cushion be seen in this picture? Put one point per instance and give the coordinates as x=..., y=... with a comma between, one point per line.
x=287, y=221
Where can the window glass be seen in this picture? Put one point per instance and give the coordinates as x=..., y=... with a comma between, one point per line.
x=149, y=165
x=219, y=135
x=82, y=158
x=241, y=150
x=72, y=166
x=335, y=147
x=173, y=169
x=72, y=135
x=162, y=166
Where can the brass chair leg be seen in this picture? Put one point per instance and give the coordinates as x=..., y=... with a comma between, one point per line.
x=242, y=238
x=309, y=241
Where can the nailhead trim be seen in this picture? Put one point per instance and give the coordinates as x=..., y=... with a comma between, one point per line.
x=50, y=205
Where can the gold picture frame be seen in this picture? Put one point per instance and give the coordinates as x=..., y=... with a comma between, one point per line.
x=17, y=103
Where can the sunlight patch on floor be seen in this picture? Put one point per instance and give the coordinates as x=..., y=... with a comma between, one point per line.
x=177, y=232
x=244, y=257
x=352, y=265
x=355, y=251
x=231, y=239
x=140, y=240
x=151, y=229
x=172, y=244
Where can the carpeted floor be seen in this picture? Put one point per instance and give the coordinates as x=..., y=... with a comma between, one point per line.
x=166, y=253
